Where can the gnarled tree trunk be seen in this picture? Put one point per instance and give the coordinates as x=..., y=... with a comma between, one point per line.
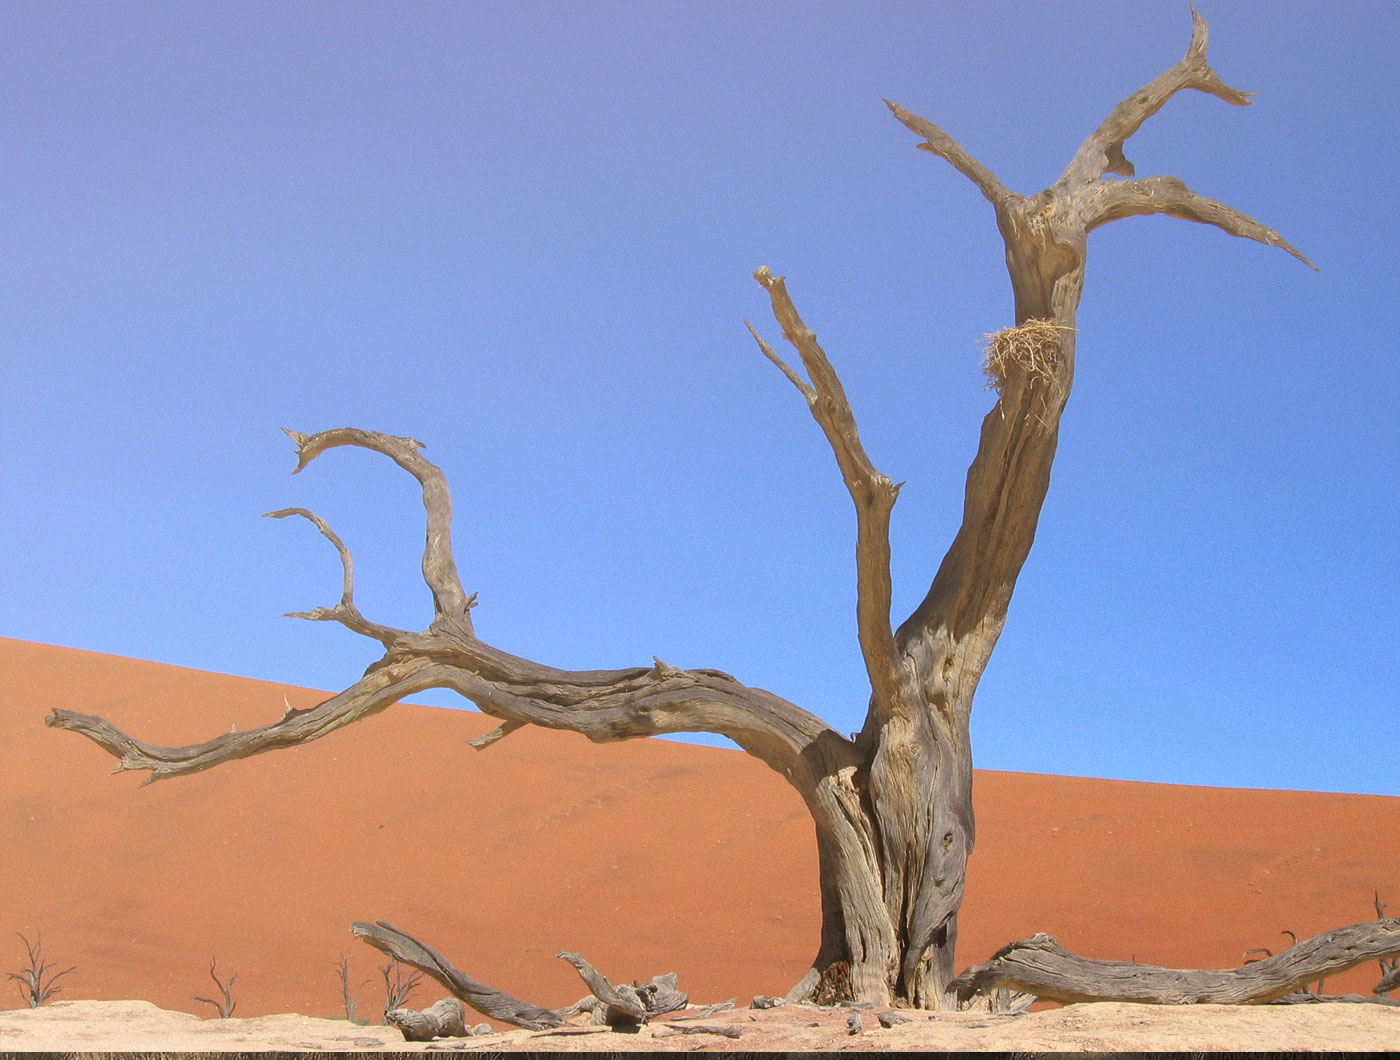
x=893, y=806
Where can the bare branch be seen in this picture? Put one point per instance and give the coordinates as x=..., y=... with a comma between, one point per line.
x=1171, y=196
x=873, y=494
x=36, y=980
x=1102, y=152
x=803, y=387
x=937, y=142
x=487, y=1000
x=226, y=1004
x=370, y=695
x=622, y=1002
x=450, y=602
x=1040, y=966
x=345, y=612
x=498, y=733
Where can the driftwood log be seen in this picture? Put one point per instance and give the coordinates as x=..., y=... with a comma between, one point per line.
x=444, y=1019
x=1040, y=966
x=623, y=1005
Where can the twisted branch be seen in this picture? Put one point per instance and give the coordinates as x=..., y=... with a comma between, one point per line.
x=1040, y=966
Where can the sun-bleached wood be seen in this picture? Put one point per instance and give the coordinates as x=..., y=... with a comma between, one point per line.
x=891, y=807
x=1040, y=966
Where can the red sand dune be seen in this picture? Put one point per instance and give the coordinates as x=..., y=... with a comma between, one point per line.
x=646, y=856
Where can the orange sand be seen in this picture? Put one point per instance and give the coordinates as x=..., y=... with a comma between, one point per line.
x=646, y=856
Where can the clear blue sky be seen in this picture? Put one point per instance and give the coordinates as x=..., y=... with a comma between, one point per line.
x=523, y=233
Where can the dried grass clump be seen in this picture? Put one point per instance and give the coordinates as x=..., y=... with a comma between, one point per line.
x=1033, y=347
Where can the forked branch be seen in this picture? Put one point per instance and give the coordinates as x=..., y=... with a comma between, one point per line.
x=1102, y=151
x=873, y=494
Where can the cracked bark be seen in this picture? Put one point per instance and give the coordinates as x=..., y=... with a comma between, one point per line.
x=1040, y=966
x=892, y=808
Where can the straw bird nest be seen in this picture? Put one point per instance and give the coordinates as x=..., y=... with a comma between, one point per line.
x=1032, y=348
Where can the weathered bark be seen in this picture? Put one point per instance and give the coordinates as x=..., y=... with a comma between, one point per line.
x=1040, y=966
x=443, y=1019
x=1389, y=981
x=892, y=808
x=487, y=1000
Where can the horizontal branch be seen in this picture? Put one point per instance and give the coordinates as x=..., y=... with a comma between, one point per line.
x=1171, y=196
x=1040, y=966
x=371, y=694
x=872, y=493
x=937, y=142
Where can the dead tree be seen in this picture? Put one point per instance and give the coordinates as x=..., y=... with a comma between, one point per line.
x=892, y=807
x=225, y=1004
x=37, y=980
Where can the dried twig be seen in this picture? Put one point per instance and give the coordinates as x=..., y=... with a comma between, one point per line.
x=348, y=997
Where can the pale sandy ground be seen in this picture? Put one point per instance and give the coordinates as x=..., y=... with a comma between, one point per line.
x=116, y=1026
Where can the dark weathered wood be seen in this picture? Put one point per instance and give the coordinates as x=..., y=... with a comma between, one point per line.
x=892, y=808
x=443, y=1019
x=484, y=999
x=1040, y=966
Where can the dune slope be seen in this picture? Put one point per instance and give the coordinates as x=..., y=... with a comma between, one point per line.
x=646, y=856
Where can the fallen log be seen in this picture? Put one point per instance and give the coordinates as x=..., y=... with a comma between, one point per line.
x=620, y=1006
x=1040, y=966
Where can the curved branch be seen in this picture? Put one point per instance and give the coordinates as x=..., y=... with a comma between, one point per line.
x=937, y=142
x=873, y=494
x=487, y=1000
x=345, y=612
x=1102, y=152
x=370, y=695
x=1040, y=966
x=451, y=603
x=1171, y=196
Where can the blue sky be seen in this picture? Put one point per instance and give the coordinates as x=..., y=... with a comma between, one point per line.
x=523, y=233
